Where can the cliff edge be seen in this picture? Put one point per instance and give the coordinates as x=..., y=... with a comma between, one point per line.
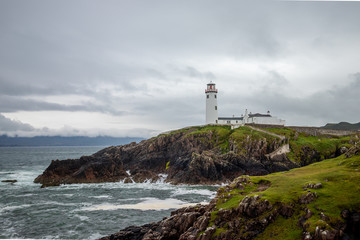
x=319, y=201
x=197, y=155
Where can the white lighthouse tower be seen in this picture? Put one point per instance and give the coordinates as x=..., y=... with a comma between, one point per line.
x=211, y=104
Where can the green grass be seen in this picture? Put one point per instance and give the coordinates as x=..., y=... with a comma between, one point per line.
x=213, y=216
x=339, y=176
x=236, y=196
x=219, y=231
x=324, y=147
x=221, y=136
x=287, y=186
x=287, y=132
x=243, y=136
x=276, y=229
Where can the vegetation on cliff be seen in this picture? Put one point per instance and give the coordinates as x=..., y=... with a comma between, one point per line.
x=209, y=154
x=194, y=155
x=319, y=201
x=306, y=148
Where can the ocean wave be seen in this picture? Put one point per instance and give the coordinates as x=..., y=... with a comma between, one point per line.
x=95, y=236
x=24, y=195
x=12, y=208
x=68, y=194
x=185, y=191
x=148, y=204
x=100, y=196
x=58, y=203
x=82, y=218
x=24, y=177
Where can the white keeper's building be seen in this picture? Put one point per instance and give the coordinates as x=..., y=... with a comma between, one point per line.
x=212, y=112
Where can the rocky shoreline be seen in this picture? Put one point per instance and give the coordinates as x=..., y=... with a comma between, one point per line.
x=189, y=156
x=248, y=206
x=249, y=218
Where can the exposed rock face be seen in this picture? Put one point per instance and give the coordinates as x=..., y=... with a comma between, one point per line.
x=185, y=157
x=246, y=221
x=132, y=232
x=86, y=169
x=353, y=151
x=9, y=181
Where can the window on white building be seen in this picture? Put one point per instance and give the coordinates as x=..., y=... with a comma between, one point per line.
x=207, y=96
x=215, y=95
x=215, y=107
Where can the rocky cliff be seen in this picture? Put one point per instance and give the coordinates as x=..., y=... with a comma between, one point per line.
x=195, y=155
x=319, y=201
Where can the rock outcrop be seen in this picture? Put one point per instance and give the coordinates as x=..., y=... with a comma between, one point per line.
x=193, y=156
x=9, y=181
x=245, y=221
x=289, y=205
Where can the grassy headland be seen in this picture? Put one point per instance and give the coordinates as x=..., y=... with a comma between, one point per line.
x=337, y=177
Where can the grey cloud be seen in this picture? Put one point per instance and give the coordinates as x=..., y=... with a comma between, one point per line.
x=8, y=125
x=14, y=104
x=192, y=72
x=257, y=44
x=332, y=104
x=13, y=128
x=275, y=78
x=155, y=73
x=115, y=52
x=11, y=87
x=274, y=82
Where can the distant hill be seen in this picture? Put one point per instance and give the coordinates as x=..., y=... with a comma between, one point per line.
x=343, y=126
x=6, y=141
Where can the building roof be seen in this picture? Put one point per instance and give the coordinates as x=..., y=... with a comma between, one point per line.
x=231, y=118
x=241, y=118
x=259, y=115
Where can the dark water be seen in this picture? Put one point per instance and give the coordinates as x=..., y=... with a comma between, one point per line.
x=79, y=211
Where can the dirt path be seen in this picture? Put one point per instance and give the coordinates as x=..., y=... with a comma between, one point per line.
x=267, y=132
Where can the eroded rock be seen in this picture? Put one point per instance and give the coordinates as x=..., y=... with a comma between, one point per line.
x=184, y=157
x=9, y=181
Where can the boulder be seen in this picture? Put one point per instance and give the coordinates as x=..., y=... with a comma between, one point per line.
x=9, y=181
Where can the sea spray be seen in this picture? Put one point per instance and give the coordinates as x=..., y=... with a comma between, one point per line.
x=28, y=211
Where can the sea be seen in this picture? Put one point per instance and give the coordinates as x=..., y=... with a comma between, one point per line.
x=80, y=211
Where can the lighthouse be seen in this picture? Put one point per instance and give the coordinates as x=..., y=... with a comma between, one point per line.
x=211, y=104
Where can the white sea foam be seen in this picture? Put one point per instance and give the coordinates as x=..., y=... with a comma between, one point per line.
x=48, y=237
x=24, y=177
x=100, y=196
x=57, y=203
x=149, y=204
x=95, y=236
x=25, y=195
x=162, y=178
x=12, y=208
x=184, y=191
x=68, y=194
x=82, y=218
x=159, y=185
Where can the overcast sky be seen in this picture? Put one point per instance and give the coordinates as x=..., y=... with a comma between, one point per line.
x=138, y=68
